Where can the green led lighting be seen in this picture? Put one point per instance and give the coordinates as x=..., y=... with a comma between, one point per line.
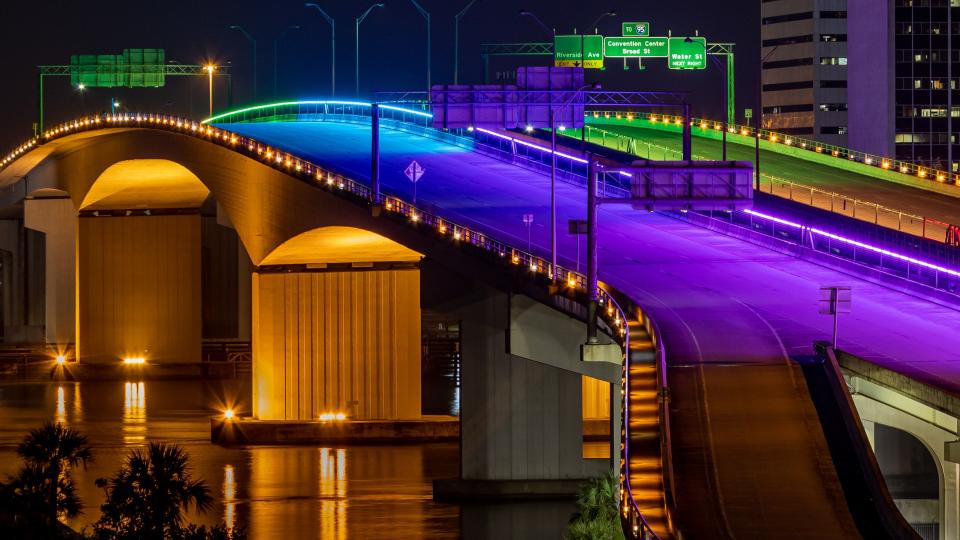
x=280, y=104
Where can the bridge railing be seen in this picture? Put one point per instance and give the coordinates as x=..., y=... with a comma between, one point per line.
x=883, y=216
x=611, y=313
x=924, y=172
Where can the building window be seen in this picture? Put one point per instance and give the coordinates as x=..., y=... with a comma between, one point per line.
x=833, y=38
x=833, y=84
x=780, y=109
x=936, y=84
x=833, y=61
x=787, y=40
x=833, y=107
x=794, y=62
x=833, y=14
x=788, y=17
x=912, y=138
x=833, y=130
x=787, y=86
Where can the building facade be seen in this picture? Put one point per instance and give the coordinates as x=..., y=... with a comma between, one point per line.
x=879, y=76
x=804, y=71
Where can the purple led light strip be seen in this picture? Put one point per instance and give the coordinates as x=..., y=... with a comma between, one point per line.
x=537, y=147
x=845, y=240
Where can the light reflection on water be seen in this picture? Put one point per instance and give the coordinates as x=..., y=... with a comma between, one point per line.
x=229, y=497
x=134, y=412
x=275, y=491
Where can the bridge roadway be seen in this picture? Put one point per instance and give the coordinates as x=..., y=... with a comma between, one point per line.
x=901, y=197
x=751, y=459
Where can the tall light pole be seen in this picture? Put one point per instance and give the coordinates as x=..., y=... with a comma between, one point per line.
x=553, y=173
x=333, y=48
x=276, y=44
x=253, y=42
x=210, y=68
x=532, y=15
x=610, y=13
x=426, y=15
x=357, y=30
x=456, y=41
x=758, y=116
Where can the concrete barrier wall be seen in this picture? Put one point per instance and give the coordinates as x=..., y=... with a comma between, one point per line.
x=336, y=342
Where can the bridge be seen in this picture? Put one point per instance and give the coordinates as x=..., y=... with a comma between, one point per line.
x=724, y=432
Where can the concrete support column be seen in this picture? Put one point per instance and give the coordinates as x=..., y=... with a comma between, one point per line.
x=521, y=410
x=57, y=219
x=336, y=341
x=138, y=284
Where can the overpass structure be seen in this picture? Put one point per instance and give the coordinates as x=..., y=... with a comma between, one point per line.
x=721, y=437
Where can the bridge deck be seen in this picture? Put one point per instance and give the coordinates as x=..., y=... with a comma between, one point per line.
x=731, y=313
x=865, y=188
x=729, y=297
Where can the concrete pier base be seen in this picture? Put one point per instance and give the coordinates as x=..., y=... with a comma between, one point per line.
x=251, y=431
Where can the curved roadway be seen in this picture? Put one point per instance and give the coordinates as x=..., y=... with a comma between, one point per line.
x=751, y=458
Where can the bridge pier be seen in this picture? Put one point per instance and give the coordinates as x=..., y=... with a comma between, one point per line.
x=138, y=288
x=56, y=218
x=522, y=409
x=336, y=341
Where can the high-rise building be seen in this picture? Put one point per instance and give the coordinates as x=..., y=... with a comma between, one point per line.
x=877, y=76
x=804, y=51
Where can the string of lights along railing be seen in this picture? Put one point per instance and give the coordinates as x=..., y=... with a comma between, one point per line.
x=878, y=214
x=611, y=312
x=317, y=175
x=885, y=163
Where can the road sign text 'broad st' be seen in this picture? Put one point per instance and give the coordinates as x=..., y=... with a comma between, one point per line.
x=635, y=47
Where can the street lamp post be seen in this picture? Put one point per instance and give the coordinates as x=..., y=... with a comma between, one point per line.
x=357, y=30
x=253, y=42
x=333, y=48
x=456, y=41
x=426, y=15
x=276, y=44
x=758, y=116
x=611, y=13
x=553, y=174
x=532, y=15
x=210, y=68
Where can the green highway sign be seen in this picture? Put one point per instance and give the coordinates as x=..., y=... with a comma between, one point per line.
x=635, y=47
x=578, y=51
x=687, y=53
x=637, y=29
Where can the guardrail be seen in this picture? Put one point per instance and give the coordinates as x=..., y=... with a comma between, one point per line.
x=838, y=246
x=635, y=525
x=891, y=218
x=881, y=162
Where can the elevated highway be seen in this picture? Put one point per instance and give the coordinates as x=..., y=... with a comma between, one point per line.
x=750, y=456
x=870, y=188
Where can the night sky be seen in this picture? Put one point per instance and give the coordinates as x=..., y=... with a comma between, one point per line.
x=43, y=32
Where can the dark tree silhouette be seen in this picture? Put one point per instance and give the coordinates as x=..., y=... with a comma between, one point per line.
x=150, y=494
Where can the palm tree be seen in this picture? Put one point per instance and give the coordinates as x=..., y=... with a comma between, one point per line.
x=149, y=495
x=50, y=452
x=598, y=517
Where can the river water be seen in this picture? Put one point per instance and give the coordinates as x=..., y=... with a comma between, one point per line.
x=277, y=492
